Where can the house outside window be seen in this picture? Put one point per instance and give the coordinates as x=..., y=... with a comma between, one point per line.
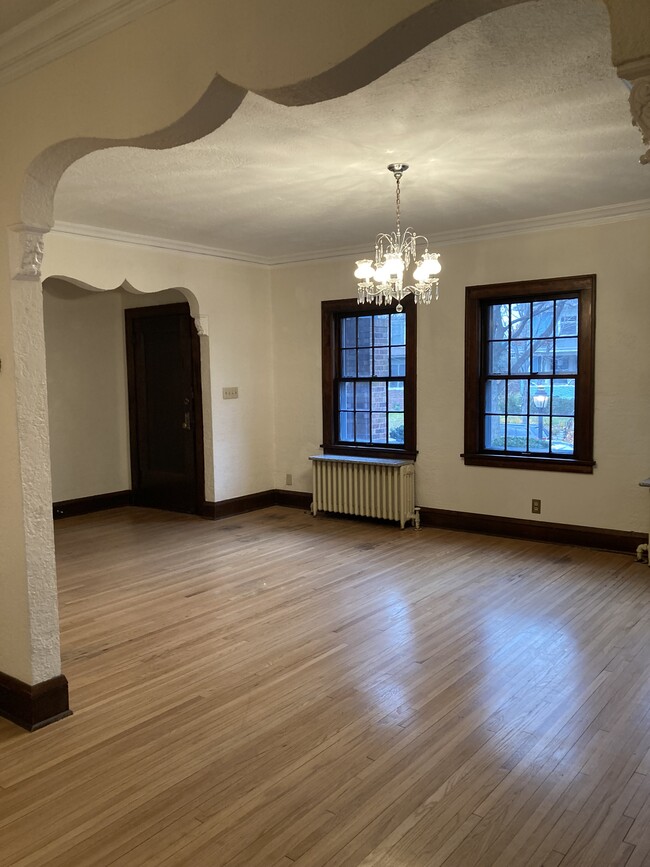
x=368, y=379
x=529, y=374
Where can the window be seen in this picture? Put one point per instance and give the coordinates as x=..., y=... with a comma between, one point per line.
x=368, y=379
x=529, y=374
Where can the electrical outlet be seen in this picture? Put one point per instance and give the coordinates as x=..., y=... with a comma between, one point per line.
x=289, y=479
x=231, y=393
x=537, y=507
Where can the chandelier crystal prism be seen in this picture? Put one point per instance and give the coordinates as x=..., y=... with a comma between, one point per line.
x=382, y=281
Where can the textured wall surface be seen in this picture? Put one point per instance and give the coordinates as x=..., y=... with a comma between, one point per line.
x=31, y=410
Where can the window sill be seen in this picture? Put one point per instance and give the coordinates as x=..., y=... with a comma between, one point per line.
x=527, y=462
x=365, y=452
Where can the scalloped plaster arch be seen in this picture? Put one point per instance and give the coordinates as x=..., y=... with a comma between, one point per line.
x=364, y=65
x=216, y=105
x=129, y=287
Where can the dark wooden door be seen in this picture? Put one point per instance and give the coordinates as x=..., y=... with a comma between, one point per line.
x=165, y=417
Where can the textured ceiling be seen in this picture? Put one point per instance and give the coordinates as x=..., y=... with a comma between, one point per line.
x=515, y=116
x=13, y=12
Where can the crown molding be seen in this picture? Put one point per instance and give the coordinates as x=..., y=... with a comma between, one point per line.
x=61, y=28
x=169, y=244
x=570, y=220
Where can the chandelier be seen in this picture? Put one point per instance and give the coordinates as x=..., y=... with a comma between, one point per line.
x=382, y=281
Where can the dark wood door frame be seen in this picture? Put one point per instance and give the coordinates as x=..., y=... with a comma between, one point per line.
x=130, y=315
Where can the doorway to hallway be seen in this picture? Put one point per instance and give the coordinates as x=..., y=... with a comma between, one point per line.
x=165, y=409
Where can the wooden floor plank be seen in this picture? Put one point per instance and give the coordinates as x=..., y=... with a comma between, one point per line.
x=274, y=689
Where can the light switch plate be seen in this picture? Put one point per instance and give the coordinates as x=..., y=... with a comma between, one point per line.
x=231, y=393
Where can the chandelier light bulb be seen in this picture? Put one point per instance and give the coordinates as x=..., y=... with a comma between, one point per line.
x=394, y=265
x=393, y=255
x=419, y=274
x=364, y=271
x=382, y=274
x=431, y=263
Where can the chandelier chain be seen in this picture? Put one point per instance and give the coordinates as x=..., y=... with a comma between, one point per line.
x=398, y=175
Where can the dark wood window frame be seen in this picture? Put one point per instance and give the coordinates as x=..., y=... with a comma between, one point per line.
x=477, y=300
x=331, y=314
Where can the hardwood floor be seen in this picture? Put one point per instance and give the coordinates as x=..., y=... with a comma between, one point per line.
x=275, y=689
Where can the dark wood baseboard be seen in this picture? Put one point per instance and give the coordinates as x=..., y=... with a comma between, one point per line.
x=96, y=503
x=33, y=707
x=470, y=522
x=252, y=502
x=294, y=499
x=541, y=531
x=238, y=505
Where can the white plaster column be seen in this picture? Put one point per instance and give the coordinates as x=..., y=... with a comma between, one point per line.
x=640, y=108
x=29, y=625
x=630, y=28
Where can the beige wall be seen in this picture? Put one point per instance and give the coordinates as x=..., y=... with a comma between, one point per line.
x=232, y=302
x=275, y=359
x=86, y=386
x=618, y=253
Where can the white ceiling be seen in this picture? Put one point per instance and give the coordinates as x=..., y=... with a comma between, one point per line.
x=515, y=116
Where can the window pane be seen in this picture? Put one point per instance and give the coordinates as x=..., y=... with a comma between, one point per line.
x=562, y=435
x=564, y=396
x=398, y=328
x=346, y=427
x=566, y=355
x=498, y=357
x=566, y=317
x=381, y=329
x=542, y=318
x=517, y=396
x=495, y=395
x=379, y=430
x=396, y=397
x=363, y=395
x=515, y=433
x=538, y=439
x=380, y=355
x=349, y=362
x=364, y=330
x=379, y=397
x=363, y=427
x=520, y=315
x=542, y=356
x=495, y=432
x=540, y=396
x=346, y=395
x=498, y=322
x=520, y=356
x=348, y=332
x=365, y=362
x=396, y=427
x=398, y=361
